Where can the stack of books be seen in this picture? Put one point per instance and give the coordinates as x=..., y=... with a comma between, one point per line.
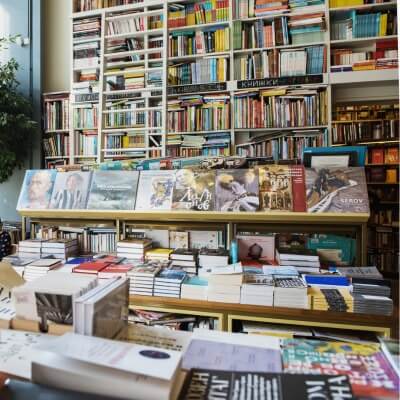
x=194, y=288
x=40, y=267
x=212, y=258
x=133, y=249
x=61, y=248
x=224, y=284
x=158, y=254
x=257, y=289
x=18, y=263
x=186, y=259
x=330, y=299
x=168, y=282
x=367, y=304
x=290, y=292
x=30, y=248
x=303, y=259
x=142, y=279
x=373, y=287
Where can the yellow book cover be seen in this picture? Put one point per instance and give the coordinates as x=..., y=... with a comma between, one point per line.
x=383, y=25
x=391, y=176
x=273, y=92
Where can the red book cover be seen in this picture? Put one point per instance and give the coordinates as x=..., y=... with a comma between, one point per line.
x=377, y=156
x=90, y=267
x=114, y=270
x=298, y=188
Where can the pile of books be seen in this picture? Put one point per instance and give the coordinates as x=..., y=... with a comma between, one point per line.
x=142, y=279
x=257, y=289
x=290, y=292
x=339, y=300
x=194, y=287
x=186, y=259
x=18, y=263
x=39, y=268
x=224, y=283
x=61, y=248
x=212, y=258
x=369, y=286
x=304, y=260
x=133, y=249
x=158, y=254
x=367, y=304
x=31, y=248
x=168, y=282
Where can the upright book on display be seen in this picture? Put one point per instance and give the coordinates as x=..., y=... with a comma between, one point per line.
x=194, y=190
x=113, y=190
x=282, y=188
x=155, y=190
x=338, y=190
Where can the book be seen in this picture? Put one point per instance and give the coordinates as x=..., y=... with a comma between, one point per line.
x=213, y=257
x=194, y=190
x=71, y=190
x=282, y=188
x=194, y=288
x=237, y=190
x=297, y=254
x=256, y=247
x=392, y=155
x=336, y=190
x=113, y=190
x=178, y=239
x=115, y=271
x=155, y=190
x=377, y=156
x=206, y=383
x=36, y=189
x=358, y=361
x=91, y=267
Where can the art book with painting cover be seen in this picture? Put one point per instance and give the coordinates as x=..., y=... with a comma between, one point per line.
x=338, y=190
x=203, y=384
x=282, y=188
x=194, y=190
x=155, y=190
x=36, y=189
x=237, y=190
x=370, y=374
x=71, y=190
x=113, y=190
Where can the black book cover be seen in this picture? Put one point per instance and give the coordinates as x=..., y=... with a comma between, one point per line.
x=208, y=384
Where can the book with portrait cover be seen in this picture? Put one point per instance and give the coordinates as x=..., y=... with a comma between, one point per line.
x=282, y=188
x=370, y=374
x=155, y=190
x=36, y=189
x=237, y=190
x=338, y=190
x=113, y=190
x=203, y=384
x=71, y=190
x=194, y=190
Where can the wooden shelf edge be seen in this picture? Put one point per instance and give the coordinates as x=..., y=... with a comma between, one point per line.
x=200, y=216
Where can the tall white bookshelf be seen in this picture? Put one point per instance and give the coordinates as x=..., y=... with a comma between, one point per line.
x=153, y=100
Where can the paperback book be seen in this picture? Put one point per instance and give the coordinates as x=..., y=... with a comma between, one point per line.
x=113, y=190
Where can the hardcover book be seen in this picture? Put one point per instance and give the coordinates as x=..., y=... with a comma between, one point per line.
x=194, y=190
x=370, y=374
x=71, y=190
x=36, y=189
x=155, y=190
x=237, y=190
x=113, y=190
x=203, y=384
x=339, y=190
x=282, y=188
x=256, y=247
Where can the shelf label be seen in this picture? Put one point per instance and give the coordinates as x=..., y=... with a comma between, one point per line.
x=201, y=87
x=282, y=81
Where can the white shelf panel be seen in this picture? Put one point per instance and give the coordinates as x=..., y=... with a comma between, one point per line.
x=56, y=157
x=138, y=129
x=362, y=40
x=374, y=7
x=337, y=78
x=204, y=55
x=149, y=32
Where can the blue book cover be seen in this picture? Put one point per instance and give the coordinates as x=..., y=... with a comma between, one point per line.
x=327, y=280
x=172, y=274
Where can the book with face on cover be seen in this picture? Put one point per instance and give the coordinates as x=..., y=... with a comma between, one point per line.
x=37, y=189
x=113, y=190
x=71, y=190
x=194, y=190
x=155, y=190
x=338, y=190
x=237, y=190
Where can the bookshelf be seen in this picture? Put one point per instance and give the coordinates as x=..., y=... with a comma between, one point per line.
x=169, y=84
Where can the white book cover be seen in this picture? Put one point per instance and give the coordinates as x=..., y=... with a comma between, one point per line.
x=155, y=190
x=132, y=358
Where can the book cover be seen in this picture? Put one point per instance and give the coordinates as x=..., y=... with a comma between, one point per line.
x=256, y=247
x=54, y=307
x=71, y=190
x=337, y=190
x=90, y=267
x=155, y=190
x=175, y=275
x=194, y=190
x=203, y=384
x=392, y=155
x=377, y=156
x=37, y=189
x=178, y=239
x=237, y=190
x=113, y=190
x=282, y=188
x=370, y=374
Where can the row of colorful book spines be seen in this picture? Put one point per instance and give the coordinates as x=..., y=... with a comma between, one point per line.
x=209, y=152
x=56, y=146
x=57, y=115
x=88, y=5
x=199, y=13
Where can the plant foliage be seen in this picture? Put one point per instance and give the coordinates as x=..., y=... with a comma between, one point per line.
x=16, y=126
